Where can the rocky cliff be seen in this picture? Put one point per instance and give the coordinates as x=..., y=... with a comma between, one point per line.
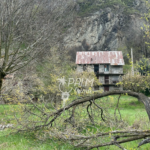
x=109, y=29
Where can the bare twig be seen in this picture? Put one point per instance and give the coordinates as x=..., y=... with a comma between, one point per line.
x=100, y=109
x=90, y=117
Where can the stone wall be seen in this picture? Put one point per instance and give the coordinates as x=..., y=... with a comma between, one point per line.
x=112, y=69
x=101, y=79
x=111, y=88
x=101, y=68
x=111, y=79
x=116, y=69
x=79, y=68
x=90, y=68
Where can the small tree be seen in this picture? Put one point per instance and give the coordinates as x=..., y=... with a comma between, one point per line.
x=143, y=66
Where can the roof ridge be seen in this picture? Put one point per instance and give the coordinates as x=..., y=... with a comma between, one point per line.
x=99, y=57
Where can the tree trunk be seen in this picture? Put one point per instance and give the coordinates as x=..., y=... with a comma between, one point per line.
x=2, y=75
x=1, y=83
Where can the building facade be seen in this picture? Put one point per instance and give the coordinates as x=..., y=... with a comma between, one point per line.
x=107, y=65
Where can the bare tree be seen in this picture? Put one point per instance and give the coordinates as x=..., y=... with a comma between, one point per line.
x=27, y=28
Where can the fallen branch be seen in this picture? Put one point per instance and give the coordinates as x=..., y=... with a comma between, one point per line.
x=100, y=109
x=141, y=97
x=119, y=142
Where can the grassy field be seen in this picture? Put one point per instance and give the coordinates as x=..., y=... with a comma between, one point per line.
x=132, y=112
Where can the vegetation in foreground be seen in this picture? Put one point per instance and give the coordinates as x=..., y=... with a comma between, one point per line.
x=131, y=110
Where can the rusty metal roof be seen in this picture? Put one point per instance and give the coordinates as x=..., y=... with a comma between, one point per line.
x=100, y=57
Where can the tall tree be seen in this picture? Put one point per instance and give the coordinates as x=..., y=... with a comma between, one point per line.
x=27, y=28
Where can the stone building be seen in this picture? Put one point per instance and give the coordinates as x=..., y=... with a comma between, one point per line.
x=107, y=65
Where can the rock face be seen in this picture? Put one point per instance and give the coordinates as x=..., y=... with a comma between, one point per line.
x=108, y=29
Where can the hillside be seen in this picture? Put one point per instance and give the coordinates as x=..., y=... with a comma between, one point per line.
x=108, y=26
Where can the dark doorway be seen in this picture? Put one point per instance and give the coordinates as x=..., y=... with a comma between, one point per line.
x=106, y=79
x=106, y=88
x=96, y=68
x=84, y=67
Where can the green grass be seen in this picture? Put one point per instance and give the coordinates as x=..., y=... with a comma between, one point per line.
x=131, y=110
x=29, y=142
